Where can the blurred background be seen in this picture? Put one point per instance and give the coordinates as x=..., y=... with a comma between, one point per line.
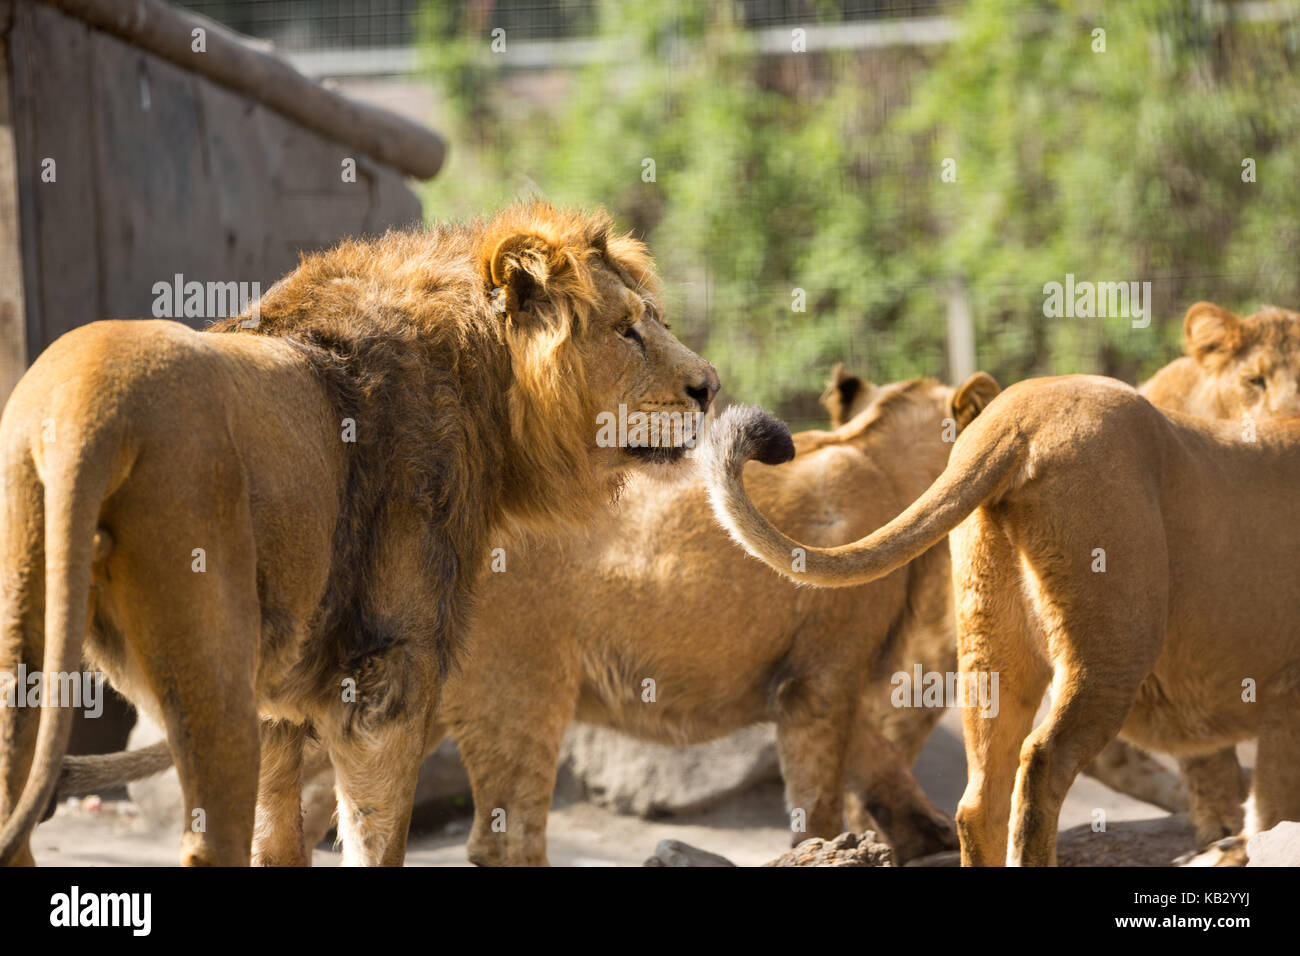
x=886, y=184
x=801, y=145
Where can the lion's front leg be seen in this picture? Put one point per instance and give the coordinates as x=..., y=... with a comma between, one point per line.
x=277, y=832
x=1216, y=794
x=878, y=781
x=812, y=734
x=375, y=775
x=510, y=744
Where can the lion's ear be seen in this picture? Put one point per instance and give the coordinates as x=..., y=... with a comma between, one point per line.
x=972, y=397
x=843, y=389
x=522, y=265
x=1211, y=331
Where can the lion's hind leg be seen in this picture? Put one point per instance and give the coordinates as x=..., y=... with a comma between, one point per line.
x=200, y=663
x=181, y=583
x=1105, y=631
x=994, y=637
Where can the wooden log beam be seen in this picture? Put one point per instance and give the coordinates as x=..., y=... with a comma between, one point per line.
x=228, y=59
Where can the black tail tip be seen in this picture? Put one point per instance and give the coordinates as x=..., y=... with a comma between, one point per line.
x=770, y=439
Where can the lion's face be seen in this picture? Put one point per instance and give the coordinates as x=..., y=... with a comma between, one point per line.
x=1248, y=367
x=598, y=373
x=649, y=390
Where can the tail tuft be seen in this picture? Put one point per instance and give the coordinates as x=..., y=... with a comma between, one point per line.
x=771, y=440
x=743, y=432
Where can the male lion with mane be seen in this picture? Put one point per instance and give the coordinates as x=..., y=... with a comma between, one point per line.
x=269, y=533
x=1197, y=525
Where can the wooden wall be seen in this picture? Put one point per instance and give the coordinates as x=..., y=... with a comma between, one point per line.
x=159, y=171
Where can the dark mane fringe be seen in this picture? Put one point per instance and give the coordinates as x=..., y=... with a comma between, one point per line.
x=408, y=466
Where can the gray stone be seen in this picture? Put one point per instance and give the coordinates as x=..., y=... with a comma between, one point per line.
x=676, y=853
x=944, y=858
x=647, y=779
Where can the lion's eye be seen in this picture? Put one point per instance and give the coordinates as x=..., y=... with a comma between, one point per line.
x=1256, y=381
x=630, y=333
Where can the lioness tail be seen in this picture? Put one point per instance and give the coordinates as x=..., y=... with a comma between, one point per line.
x=977, y=469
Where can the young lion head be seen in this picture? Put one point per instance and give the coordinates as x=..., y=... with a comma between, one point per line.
x=599, y=379
x=1234, y=366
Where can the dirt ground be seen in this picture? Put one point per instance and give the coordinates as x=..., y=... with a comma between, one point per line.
x=748, y=831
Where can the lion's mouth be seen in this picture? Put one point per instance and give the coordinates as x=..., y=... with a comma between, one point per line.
x=662, y=455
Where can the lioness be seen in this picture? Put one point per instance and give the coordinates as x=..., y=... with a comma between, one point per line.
x=1243, y=369
x=283, y=525
x=1142, y=563
x=573, y=629
x=1246, y=370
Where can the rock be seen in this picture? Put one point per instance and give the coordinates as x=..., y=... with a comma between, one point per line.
x=847, y=849
x=1155, y=842
x=159, y=798
x=648, y=779
x=676, y=853
x=1279, y=846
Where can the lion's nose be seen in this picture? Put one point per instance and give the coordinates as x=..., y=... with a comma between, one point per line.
x=703, y=390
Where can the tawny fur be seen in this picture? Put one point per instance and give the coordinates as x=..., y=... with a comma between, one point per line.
x=1245, y=370
x=572, y=629
x=1235, y=368
x=470, y=362
x=1198, y=594
x=566, y=626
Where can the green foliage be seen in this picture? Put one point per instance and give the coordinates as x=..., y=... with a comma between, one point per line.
x=821, y=172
